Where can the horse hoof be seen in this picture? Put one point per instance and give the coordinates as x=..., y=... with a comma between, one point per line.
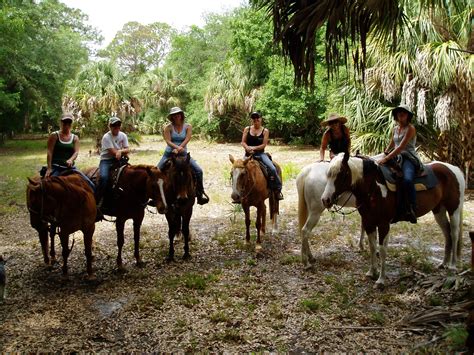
x=121, y=269
x=441, y=266
x=258, y=248
x=64, y=277
x=140, y=264
x=169, y=259
x=186, y=256
x=371, y=274
x=379, y=285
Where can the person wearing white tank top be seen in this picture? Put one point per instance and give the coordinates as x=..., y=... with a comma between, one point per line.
x=404, y=140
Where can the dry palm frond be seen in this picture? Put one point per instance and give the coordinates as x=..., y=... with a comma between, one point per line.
x=389, y=88
x=444, y=111
x=409, y=92
x=421, y=106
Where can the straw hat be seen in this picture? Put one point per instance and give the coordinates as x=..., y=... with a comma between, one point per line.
x=175, y=110
x=334, y=117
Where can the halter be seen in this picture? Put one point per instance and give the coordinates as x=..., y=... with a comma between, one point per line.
x=246, y=184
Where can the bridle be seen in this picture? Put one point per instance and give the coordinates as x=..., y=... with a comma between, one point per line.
x=246, y=183
x=40, y=213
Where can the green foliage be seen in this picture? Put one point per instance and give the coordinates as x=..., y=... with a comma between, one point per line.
x=42, y=46
x=313, y=304
x=456, y=336
x=289, y=171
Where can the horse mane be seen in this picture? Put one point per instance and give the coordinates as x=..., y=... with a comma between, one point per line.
x=73, y=190
x=355, y=165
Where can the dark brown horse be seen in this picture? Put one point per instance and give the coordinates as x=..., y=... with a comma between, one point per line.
x=249, y=187
x=67, y=202
x=136, y=185
x=180, y=192
x=377, y=205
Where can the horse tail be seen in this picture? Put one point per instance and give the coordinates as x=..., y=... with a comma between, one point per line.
x=302, y=208
x=462, y=187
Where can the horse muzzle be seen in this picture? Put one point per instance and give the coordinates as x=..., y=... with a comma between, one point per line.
x=235, y=197
x=327, y=201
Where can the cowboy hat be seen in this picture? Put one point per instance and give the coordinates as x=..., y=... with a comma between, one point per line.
x=334, y=117
x=402, y=108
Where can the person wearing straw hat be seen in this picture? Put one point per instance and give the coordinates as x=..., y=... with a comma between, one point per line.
x=336, y=136
x=403, y=143
x=177, y=134
x=63, y=148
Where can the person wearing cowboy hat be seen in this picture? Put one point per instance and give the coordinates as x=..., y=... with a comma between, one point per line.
x=254, y=140
x=403, y=143
x=63, y=148
x=336, y=136
x=177, y=134
x=114, y=145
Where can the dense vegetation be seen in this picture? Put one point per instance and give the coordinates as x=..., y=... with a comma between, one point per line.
x=220, y=72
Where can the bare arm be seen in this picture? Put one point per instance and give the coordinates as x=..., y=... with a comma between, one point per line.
x=411, y=132
x=244, y=140
x=266, y=135
x=348, y=135
x=324, y=145
x=49, y=155
x=70, y=161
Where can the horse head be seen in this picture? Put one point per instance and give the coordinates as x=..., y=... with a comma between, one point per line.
x=240, y=176
x=155, y=188
x=181, y=177
x=40, y=204
x=343, y=173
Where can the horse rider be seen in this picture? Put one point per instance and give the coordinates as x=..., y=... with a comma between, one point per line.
x=63, y=148
x=403, y=143
x=177, y=134
x=337, y=136
x=114, y=146
x=254, y=141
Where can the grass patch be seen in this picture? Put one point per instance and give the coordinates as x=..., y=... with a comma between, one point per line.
x=152, y=299
x=377, y=318
x=219, y=317
x=456, y=336
x=198, y=282
x=290, y=259
x=289, y=171
x=313, y=304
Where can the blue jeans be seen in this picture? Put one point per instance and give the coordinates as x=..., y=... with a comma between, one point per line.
x=194, y=165
x=104, y=169
x=408, y=176
x=276, y=184
x=57, y=170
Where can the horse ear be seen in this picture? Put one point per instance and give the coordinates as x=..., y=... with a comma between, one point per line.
x=231, y=158
x=346, y=158
x=246, y=160
x=32, y=182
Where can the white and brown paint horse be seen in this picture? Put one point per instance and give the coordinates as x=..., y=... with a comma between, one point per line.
x=377, y=205
x=310, y=183
x=249, y=187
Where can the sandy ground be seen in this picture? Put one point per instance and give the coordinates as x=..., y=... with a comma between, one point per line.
x=227, y=298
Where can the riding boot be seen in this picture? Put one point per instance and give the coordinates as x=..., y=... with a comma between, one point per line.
x=400, y=210
x=201, y=196
x=99, y=216
x=411, y=215
x=273, y=187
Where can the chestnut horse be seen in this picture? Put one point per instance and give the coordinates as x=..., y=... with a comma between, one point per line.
x=136, y=185
x=67, y=202
x=377, y=205
x=249, y=187
x=180, y=192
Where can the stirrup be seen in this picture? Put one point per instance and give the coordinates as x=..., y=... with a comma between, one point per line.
x=279, y=195
x=202, y=198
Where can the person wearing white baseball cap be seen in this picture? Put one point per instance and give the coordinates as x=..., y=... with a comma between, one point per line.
x=114, y=145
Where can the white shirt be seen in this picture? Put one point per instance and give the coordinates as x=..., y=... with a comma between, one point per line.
x=119, y=141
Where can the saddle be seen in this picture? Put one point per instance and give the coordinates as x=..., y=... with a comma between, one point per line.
x=424, y=180
x=263, y=167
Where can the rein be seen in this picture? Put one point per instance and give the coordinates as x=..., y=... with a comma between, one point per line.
x=247, y=184
x=47, y=219
x=338, y=208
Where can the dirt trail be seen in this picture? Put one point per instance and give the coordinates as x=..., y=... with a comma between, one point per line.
x=226, y=298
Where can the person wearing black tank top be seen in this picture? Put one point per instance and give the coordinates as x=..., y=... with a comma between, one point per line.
x=254, y=141
x=336, y=136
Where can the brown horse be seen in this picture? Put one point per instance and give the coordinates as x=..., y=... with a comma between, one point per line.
x=135, y=186
x=249, y=187
x=67, y=202
x=180, y=192
x=377, y=205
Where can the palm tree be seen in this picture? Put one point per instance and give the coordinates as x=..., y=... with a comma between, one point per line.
x=99, y=90
x=230, y=96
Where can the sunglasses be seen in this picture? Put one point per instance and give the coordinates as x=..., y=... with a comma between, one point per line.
x=116, y=125
x=66, y=122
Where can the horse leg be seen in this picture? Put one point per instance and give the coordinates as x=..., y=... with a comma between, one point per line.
x=43, y=237
x=185, y=230
x=119, y=226
x=306, y=255
x=52, y=233
x=361, y=237
x=173, y=228
x=88, y=234
x=443, y=222
x=246, y=209
x=455, y=224
x=137, y=223
x=65, y=251
x=260, y=225
x=373, y=253
x=383, y=242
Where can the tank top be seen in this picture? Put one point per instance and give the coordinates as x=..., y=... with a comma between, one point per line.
x=398, y=136
x=253, y=141
x=339, y=145
x=62, y=150
x=177, y=138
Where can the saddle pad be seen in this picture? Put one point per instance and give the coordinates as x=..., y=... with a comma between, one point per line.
x=427, y=180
